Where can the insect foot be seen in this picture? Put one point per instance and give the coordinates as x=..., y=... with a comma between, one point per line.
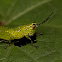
x=35, y=46
x=7, y=46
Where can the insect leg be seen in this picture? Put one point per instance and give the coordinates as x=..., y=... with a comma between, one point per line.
x=33, y=44
x=30, y=38
x=38, y=34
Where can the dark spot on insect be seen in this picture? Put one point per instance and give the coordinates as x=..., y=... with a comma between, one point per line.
x=23, y=41
x=33, y=24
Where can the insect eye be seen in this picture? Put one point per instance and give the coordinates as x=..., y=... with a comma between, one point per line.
x=33, y=24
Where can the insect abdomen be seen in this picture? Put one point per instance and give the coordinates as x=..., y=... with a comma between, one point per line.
x=4, y=34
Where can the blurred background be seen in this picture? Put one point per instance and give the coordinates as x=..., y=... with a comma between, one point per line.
x=14, y=13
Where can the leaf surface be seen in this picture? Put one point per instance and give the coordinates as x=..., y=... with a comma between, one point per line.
x=20, y=12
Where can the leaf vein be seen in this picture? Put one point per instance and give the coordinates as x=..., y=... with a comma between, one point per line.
x=27, y=10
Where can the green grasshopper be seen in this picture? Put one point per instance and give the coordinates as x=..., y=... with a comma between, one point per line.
x=20, y=32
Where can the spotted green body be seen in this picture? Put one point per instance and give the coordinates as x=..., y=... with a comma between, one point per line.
x=17, y=33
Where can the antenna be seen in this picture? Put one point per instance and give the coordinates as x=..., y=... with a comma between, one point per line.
x=46, y=18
